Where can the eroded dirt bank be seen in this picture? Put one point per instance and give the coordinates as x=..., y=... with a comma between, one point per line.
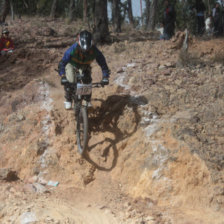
x=156, y=147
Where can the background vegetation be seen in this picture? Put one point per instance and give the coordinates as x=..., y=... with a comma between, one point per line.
x=94, y=13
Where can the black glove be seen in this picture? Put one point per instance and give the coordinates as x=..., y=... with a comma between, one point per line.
x=105, y=81
x=63, y=80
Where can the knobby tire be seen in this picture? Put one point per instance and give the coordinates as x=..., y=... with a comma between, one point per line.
x=82, y=130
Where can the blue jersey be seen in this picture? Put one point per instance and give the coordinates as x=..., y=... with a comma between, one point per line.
x=79, y=60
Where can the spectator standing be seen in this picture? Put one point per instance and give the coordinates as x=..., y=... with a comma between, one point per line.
x=200, y=12
x=217, y=18
x=209, y=25
x=169, y=19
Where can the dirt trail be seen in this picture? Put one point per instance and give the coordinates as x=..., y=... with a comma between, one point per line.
x=156, y=145
x=86, y=193
x=25, y=207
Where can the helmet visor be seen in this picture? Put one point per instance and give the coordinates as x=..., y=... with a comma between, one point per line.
x=85, y=44
x=85, y=40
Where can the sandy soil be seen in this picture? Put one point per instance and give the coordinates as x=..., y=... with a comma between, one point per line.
x=155, y=153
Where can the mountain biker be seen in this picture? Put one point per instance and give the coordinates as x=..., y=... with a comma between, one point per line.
x=80, y=56
x=6, y=43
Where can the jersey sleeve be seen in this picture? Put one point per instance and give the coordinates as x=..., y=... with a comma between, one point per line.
x=66, y=58
x=100, y=59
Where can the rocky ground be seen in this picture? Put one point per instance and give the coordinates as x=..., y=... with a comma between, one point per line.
x=156, y=148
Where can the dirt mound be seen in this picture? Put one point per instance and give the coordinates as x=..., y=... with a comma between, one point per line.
x=155, y=153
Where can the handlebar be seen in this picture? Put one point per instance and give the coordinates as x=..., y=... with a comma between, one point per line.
x=94, y=84
x=97, y=84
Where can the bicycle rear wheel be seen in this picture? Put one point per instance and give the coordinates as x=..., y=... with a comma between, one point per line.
x=82, y=129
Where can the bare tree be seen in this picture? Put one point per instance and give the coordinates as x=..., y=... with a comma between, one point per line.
x=91, y=17
x=53, y=9
x=101, y=31
x=116, y=15
x=84, y=11
x=130, y=14
x=141, y=11
x=147, y=11
x=209, y=6
x=71, y=10
x=152, y=15
x=12, y=10
x=4, y=9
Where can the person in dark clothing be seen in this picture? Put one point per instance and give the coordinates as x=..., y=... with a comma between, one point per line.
x=80, y=56
x=169, y=19
x=200, y=10
x=217, y=18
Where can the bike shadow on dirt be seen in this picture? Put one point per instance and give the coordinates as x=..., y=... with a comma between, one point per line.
x=105, y=119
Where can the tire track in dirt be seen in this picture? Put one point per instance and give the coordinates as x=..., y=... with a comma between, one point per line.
x=97, y=182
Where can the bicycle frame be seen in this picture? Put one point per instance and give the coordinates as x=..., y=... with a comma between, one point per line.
x=81, y=112
x=77, y=98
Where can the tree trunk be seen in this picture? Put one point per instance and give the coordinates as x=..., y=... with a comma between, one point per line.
x=12, y=10
x=4, y=10
x=116, y=15
x=141, y=11
x=91, y=17
x=152, y=16
x=71, y=10
x=53, y=8
x=84, y=11
x=25, y=4
x=209, y=6
x=147, y=10
x=130, y=14
x=92, y=9
x=101, y=31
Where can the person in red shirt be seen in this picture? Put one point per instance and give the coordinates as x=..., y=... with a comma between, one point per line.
x=6, y=43
x=169, y=19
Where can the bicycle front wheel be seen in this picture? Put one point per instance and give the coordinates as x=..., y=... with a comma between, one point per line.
x=82, y=129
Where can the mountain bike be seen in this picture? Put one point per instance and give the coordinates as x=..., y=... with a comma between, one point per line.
x=81, y=95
